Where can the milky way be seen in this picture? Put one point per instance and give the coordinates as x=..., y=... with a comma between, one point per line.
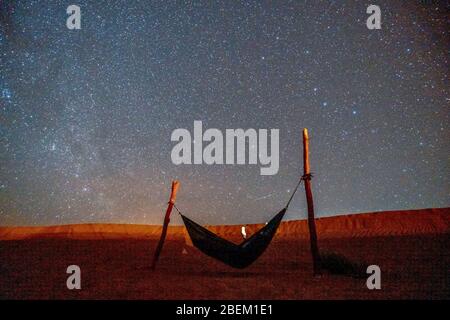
x=86, y=115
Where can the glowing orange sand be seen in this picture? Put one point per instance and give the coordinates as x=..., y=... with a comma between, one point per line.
x=411, y=248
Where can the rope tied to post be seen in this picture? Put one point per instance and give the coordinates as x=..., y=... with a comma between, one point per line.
x=304, y=177
x=178, y=210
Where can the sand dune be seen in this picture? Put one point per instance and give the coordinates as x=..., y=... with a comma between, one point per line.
x=411, y=248
x=411, y=222
x=87, y=231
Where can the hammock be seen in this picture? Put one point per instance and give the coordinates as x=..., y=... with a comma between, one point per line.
x=236, y=256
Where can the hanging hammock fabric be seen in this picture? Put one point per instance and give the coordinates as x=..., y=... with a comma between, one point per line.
x=234, y=255
x=237, y=256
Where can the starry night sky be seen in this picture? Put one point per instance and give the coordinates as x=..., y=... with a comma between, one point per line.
x=86, y=115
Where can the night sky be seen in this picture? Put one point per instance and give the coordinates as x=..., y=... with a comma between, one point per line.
x=86, y=115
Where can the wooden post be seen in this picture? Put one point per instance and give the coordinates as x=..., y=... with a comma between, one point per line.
x=309, y=200
x=173, y=195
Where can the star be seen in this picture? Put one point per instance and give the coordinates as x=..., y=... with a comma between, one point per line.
x=6, y=94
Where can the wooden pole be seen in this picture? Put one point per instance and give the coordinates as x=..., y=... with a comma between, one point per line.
x=173, y=195
x=309, y=200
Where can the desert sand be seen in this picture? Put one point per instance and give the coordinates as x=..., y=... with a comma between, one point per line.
x=411, y=248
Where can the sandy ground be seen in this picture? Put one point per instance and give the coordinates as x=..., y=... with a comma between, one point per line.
x=411, y=248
